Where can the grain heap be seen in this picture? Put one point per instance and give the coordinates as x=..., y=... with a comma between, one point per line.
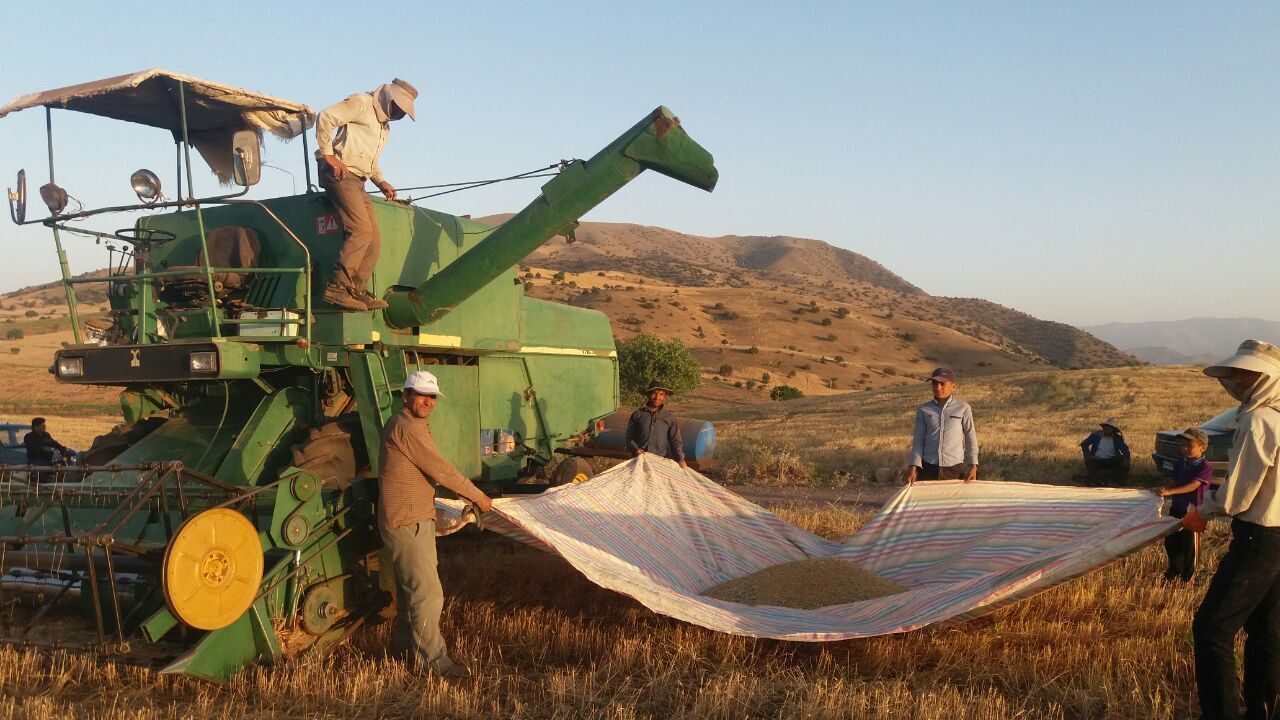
x=805, y=584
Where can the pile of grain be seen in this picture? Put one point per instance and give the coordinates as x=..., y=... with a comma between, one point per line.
x=805, y=584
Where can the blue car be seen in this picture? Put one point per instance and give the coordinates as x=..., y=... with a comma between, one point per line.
x=12, y=451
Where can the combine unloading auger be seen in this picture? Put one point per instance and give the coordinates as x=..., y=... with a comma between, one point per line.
x=232, y=519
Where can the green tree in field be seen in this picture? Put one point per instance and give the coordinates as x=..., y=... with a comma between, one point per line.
x=14, y=334
x=785, y=392
x=645, y=357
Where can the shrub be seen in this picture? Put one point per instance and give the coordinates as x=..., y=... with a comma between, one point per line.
x=785, y=392
x=907, y=336
x=14, y=334
x=826, y=322
x=558, y=277
x=726, y=369
x=831, y=337
x=754, y=350
x=31, y=313
x=15, y=349
x=751, y=384
x=645, y=357
x=842, y=313
x=764, y=377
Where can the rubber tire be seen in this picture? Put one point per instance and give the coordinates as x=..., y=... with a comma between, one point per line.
x=570, y=468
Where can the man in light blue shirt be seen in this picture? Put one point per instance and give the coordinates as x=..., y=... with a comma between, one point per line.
x=945, y=444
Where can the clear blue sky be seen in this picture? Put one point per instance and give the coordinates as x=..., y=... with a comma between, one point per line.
x=1084, y=162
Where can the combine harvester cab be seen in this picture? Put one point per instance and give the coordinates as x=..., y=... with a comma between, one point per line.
x=231, y=518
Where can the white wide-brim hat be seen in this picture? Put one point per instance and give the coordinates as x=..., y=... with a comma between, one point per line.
x=1252, y=355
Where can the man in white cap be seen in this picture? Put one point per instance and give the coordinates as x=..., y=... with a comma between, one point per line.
x=347, y=159
x=1245, y=591
x=409, y=463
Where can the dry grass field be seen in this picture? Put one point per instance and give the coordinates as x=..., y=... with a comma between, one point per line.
x=545, y=643
x=1029, y=425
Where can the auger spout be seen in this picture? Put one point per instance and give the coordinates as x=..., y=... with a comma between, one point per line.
x=657, y=143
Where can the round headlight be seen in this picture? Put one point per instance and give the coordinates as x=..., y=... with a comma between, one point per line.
x=146, y=184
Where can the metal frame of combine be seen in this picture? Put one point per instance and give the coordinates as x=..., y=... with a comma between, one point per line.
x=204, y=535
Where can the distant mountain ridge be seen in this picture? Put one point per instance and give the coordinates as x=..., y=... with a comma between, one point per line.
x=809, y=267
x=1185, y=342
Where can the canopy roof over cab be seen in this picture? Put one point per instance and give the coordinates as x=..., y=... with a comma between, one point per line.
x=151, y=97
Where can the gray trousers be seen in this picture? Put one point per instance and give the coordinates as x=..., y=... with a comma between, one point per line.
x=362, y=242
x=419, y=595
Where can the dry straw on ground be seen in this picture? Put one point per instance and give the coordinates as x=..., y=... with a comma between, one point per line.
x=805, y=584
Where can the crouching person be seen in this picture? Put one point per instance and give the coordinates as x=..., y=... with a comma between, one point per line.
x=410, y=463
x=1106, y=455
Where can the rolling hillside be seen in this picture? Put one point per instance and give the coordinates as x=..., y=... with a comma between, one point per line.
x=819, y=317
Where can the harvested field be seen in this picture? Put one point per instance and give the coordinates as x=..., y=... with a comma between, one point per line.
x=806, y=584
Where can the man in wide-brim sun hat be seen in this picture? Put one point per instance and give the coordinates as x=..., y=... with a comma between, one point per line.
x=1106, y=454
x=1244, y=593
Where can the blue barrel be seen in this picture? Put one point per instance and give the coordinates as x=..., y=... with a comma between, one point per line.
x=699, y=439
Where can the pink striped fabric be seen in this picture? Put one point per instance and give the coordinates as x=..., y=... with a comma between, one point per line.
x=662, y=534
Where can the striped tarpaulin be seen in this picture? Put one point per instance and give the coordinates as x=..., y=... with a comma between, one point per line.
x=663, y=534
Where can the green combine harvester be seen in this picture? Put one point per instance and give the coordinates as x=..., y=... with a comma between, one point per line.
x=230, y=519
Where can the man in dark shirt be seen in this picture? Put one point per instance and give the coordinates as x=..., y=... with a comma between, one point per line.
x=652, y=428
x=40, y=444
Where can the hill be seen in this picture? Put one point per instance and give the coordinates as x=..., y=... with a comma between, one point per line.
x=1191, y=341
x=801, y=311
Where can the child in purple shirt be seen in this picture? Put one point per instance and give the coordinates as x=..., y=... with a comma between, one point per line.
x=1191, y=477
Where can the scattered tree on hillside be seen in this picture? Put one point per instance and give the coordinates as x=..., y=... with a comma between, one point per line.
x=726, y=369
x=785, y=392
x=645, y=357
x=14, y=334
x=31, y=313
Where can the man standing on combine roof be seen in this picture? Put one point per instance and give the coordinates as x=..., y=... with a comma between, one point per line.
x=1245, y=591
x=362, y=123
x=410, y=463
x=944, y=445
x=653, y=429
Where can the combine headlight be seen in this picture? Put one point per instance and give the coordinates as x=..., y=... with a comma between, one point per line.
x=146, y=184
x=70, y=367
x=205, y=361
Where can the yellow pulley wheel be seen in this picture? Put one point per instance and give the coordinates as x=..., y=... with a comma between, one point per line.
x=212, y=569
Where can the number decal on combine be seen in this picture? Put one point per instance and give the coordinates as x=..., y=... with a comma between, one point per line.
x=327, y=224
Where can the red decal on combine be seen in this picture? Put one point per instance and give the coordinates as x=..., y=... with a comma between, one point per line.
x=327, y=225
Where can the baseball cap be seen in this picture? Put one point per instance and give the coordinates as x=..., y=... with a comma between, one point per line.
x=423, y=383
x=1196, y=434
x=943, y=374
x=1252, y=355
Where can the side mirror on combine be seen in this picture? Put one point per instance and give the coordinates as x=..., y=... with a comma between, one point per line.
x=246, y=158
x=18, y=200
